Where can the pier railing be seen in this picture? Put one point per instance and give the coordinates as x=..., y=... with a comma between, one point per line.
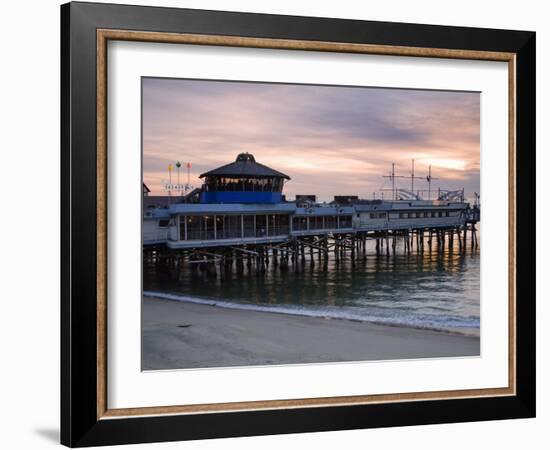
x=257, y=253
x=155, y=237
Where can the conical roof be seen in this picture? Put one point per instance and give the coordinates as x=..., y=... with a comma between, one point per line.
x=244, y=166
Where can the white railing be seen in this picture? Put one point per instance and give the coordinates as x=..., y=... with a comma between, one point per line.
x=155, y=236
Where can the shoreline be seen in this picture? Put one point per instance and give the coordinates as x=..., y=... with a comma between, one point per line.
x=285, y=310
x=178, y=334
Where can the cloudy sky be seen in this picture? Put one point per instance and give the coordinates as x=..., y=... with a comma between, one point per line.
x=329, y=140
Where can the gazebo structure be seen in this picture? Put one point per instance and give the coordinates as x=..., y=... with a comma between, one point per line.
x=243, y=181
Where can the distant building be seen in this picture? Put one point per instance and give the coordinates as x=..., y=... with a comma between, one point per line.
x=158, y=201
x=306, y=198
x=345, y=199
x=146, y=190
x=192, y=197
x=164, y=201
x=304, y=201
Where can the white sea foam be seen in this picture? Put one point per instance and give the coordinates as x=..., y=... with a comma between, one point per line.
x=465, y=326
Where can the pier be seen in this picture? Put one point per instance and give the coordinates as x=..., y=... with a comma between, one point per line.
x=296, y=252
x=241, y=221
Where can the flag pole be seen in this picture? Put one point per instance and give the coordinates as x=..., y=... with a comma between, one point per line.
x=170, y=180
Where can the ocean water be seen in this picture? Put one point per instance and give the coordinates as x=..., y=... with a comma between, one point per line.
x=437, y=290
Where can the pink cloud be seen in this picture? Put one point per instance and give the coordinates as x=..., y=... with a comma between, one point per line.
x=330, y=140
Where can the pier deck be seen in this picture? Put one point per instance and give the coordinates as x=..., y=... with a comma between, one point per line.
x=218, y=256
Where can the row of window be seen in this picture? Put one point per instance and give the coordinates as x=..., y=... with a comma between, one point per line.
x=410, y=215
x=208, y=227
x=419, y=214
x=224, y=184
x=233, y=226
x=378, y=215
x=304, y=223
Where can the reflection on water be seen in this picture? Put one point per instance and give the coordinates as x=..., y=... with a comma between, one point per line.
x=438, y=290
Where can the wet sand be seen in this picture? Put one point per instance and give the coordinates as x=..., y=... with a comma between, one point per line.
x=179, y=335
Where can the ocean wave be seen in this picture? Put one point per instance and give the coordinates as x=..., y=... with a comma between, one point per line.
x=450, y=324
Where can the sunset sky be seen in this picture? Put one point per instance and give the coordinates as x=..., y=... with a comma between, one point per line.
x=329, y=140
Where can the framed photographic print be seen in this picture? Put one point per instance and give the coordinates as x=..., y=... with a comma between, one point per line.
x=277, y=224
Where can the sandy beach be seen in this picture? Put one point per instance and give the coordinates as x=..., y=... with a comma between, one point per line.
x=185, y=335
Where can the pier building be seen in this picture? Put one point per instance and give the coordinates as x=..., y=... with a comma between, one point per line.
x=241, y=209
x=243, y=181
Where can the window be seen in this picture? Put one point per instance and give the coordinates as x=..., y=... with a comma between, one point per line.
x=228, y=226
x=345, y=222
x=193, y=227
x=284, y=222
x=426, y=214
x=163, y=223
x=377, y=215
x=446, y=213
x=330, y=222
x=278, y=224
x=315, y=222
x=208, y=230
x=182, y=227
x=299, y=223
x=249, y=226
x=440, y=214
x=402, y=215
x=261, y=226
x=418, y=215
x=433, y=214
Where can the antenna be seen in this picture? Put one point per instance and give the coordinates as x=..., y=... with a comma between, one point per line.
x=413, y=177
x=429, y=179
x=170, y=168
x=392, y=176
